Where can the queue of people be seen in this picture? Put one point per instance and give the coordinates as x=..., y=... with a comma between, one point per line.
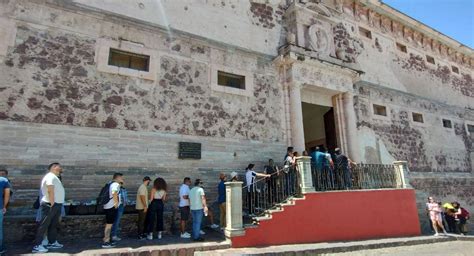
x=193, y=204
x=447, y=217
x=150, y=205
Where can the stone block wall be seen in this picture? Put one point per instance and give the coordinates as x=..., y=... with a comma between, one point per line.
x=57, y=106
x=427, y=146
x=453, y=187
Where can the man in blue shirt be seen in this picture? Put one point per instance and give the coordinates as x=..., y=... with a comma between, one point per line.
x=221, y=199
x=4, y=199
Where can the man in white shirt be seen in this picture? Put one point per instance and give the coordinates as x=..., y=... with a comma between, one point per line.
x=142, y=206
x=198, y=206
x=50, y=206
x=111, y=208
x=184, y=206
x=250, y=179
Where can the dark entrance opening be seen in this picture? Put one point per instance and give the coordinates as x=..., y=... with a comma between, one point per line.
x=319, y=126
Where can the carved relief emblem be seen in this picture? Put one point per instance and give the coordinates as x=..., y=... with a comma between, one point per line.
x=319, y=38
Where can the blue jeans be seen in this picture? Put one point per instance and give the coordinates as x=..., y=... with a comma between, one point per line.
x=197, y=220
x=1, y=230
x=116, y=225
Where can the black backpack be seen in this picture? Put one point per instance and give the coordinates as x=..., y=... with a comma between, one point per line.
x=104, y=195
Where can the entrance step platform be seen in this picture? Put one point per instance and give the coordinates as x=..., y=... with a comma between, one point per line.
x=335, y=247
x=168, y=245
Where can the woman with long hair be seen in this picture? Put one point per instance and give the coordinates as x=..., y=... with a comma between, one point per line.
x=155, y=210
x=434, y=211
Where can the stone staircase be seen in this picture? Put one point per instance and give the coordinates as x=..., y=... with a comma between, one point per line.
x=321, y=216
x=278, y=207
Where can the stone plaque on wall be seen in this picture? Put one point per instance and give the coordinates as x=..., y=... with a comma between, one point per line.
x=189, y=150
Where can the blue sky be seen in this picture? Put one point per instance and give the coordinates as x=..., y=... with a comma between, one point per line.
x=454, y=18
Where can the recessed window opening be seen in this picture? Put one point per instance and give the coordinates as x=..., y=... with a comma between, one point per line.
x=470, y=128
x=430, y=59
x=402, y=48
x=230, y=80
x=129, y=60
x=417, y=117
x=455, y=69
x=447, y=123
x=380, y=110
x=365, y=32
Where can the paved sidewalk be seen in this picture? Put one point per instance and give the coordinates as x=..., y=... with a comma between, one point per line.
x=169, y=245
x=349, y=248
x=452, y=248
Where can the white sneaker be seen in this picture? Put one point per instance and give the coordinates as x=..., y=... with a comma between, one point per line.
x=149, y=236
x=214, y=226
x=202, y=232
x=55, y=245
x=116, y=238
x=159, y=235
x=39, y=249
x=185, y=235
x=436, y=234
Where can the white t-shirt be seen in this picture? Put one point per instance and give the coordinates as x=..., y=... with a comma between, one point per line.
x=59, y=193
x=183, y=191
x=250, y=178
x=114, y=187
x=195, y=198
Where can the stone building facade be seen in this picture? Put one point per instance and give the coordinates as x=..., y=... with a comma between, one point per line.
x=395, y=88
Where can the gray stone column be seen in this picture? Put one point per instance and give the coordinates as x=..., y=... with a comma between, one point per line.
x=305, y=174
x=346, y=125
x=296, y=118
x=401, y=169
x=233, y=205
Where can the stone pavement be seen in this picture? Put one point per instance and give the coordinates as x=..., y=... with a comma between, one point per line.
x=169, y=245
x=349, y=248
x=452, y=248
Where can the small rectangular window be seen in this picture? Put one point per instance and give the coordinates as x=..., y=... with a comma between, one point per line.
x=447, y=123
x=402, y=48
x=230, y=80
x=365, y=32
x=455, y=69
x=129, y=60
x=470, y=129
x=380, y=110
x=430, y=59
x=417, y=117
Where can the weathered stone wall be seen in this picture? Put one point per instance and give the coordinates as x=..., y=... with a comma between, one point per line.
x=52, y=78
x=55, y=104
x=255, y=25
x=427, y=146
x=385, y=65
x=452, y=187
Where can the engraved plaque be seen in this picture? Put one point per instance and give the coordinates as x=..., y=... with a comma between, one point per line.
x=189, y=150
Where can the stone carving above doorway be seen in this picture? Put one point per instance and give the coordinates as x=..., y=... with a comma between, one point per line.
x=318, y=38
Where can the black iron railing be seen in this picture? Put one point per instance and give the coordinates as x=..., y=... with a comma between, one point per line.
x=266, y=192
x=360, y=176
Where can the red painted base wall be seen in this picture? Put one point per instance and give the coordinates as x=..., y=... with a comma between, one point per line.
x=338, y=216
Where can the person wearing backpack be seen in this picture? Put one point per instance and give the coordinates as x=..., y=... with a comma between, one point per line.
x=111, y=207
